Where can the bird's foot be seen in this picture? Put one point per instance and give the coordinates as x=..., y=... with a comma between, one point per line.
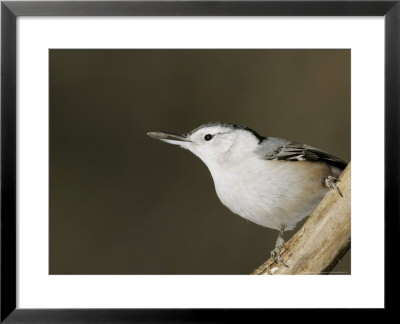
x=276, y=253
x=330, y=182
x=276, y=256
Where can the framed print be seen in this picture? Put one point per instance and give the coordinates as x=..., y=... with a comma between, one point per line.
x=101, y=222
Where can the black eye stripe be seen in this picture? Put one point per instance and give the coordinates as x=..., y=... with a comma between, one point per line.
x=208, y=137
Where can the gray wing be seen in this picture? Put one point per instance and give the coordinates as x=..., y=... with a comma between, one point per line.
x=273, y=148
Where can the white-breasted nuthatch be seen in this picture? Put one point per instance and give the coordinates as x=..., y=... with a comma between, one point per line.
x=268, y=180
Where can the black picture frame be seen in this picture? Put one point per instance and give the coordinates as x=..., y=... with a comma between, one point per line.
x=10, y=10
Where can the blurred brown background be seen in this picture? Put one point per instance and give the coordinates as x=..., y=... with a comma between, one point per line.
x=123, y=203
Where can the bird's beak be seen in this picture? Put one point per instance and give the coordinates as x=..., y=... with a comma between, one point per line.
x=170, y=138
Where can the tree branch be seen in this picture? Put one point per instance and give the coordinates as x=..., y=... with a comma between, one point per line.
x=323, y=240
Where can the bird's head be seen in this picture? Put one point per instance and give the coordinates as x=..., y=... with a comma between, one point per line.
x=215, y=143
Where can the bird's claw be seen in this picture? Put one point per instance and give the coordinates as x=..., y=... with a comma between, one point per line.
x=276, y=256
x=276, y=253
x=330, y=182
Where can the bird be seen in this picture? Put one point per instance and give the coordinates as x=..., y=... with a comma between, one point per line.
x=270, y=181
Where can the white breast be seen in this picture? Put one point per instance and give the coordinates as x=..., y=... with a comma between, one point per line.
x=273, y=194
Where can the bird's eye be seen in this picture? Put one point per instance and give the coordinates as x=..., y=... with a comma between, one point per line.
x=208, y=137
